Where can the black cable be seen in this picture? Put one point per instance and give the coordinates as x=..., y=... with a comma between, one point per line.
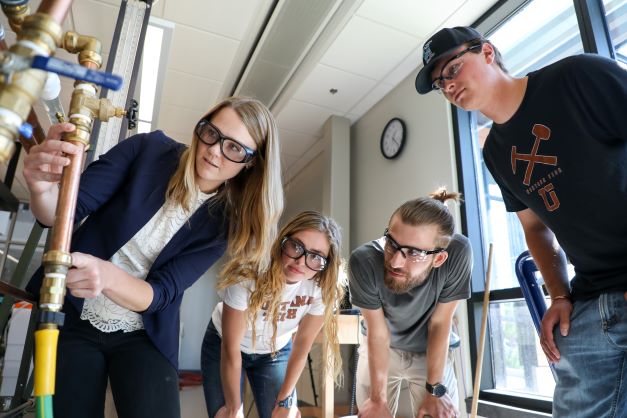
x=353, y=403
x=313, y=383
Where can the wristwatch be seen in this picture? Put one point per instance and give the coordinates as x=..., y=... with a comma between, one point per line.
x=438, y=390
x=287, y=402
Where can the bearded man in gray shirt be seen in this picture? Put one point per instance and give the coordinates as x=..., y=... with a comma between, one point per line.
x=408, y=285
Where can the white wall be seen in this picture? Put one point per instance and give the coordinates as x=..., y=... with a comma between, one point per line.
x=378, y=185
x=304, y=191
x=198, y=303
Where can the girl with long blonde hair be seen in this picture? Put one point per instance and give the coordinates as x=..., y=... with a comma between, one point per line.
x=268, y=320
x=157, y=214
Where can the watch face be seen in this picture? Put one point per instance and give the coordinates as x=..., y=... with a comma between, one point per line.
x=286, y=403
x=438, y=390
x=393, y=138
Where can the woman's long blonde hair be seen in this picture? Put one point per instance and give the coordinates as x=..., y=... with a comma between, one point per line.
x=269, y=285
x=253, y=199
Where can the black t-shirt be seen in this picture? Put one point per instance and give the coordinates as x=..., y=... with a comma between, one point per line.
x=564, y=155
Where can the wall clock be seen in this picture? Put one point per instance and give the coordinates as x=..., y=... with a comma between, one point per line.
x=393, y=138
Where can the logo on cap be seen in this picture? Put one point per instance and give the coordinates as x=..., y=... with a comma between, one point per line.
x=427, y=54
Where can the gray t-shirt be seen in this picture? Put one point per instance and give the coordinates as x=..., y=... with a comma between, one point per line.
x=408, y=314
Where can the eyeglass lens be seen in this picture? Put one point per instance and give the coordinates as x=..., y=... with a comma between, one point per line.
x=231, y=149
x=411, y=254
x=295, y=250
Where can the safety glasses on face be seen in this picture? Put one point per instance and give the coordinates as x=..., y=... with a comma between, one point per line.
x=451, y=68
x=232, y=150
x=294, y=249
x=411, y=254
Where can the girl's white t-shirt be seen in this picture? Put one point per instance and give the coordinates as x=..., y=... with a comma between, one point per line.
x=297, y=300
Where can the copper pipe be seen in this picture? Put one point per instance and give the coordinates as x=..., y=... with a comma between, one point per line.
x=91, y=65
x=68, y=194
x=84, y=108
x=38, y=133
x=57, y=9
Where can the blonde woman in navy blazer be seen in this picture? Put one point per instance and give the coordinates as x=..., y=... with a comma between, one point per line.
x=156, y=215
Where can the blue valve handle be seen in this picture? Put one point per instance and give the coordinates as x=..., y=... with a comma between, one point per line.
x=78, y=72
x=26, y=130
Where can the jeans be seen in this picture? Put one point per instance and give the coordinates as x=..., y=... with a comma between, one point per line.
x=592, y=371
x=403, y=365
x=265, y=374
x=144, y=383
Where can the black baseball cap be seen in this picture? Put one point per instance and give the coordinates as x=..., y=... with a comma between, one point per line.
x=440, y=44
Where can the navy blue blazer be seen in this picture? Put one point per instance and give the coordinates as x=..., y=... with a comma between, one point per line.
x=118, y=194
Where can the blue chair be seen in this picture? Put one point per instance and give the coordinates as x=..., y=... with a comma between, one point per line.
x=531, y=285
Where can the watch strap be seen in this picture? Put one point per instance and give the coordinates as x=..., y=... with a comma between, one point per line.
x=287, y=402
x=437, y=389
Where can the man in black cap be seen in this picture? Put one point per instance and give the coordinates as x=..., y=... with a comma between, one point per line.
x=558, y=151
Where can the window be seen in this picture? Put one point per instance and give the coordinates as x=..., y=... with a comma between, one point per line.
x=16, y=240
x=530, y=34
x=154, y=57
x=616, y=13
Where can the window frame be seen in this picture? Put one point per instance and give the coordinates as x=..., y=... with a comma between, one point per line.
x=595, y=35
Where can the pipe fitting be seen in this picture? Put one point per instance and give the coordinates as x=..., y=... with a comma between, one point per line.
x=16, y=13
x=88, y=48
x=56, y=265
x=41, y=30
x=39, y=35
x=85, y=106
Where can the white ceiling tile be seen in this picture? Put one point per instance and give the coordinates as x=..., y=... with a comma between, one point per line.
x=417, y=18
x=368, y=48
x=159, y=8
x=303, y=117
x=295, y=143
x=350, y=88
x=412, y=61
x=371, y=99
x=177, y=119
x=96, y=19
x=468, y=13
x=201, y=53
x=190, y=91
x=227, y=18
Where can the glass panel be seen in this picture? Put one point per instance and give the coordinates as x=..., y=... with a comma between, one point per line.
x=542, y=32
x=519, y=365
x=150, y=71
x=143, y=127
x=616, y=12
x=15, y=251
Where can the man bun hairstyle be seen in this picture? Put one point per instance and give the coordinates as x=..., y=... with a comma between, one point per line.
x=431, y=210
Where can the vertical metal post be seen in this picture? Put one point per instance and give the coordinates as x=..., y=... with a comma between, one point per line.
x=595, y=34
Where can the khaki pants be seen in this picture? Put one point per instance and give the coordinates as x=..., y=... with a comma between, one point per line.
x=403, y=365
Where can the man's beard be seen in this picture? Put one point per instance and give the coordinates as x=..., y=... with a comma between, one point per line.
x=403, y=285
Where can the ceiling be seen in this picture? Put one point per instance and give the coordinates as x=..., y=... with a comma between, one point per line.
x=360, y=48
